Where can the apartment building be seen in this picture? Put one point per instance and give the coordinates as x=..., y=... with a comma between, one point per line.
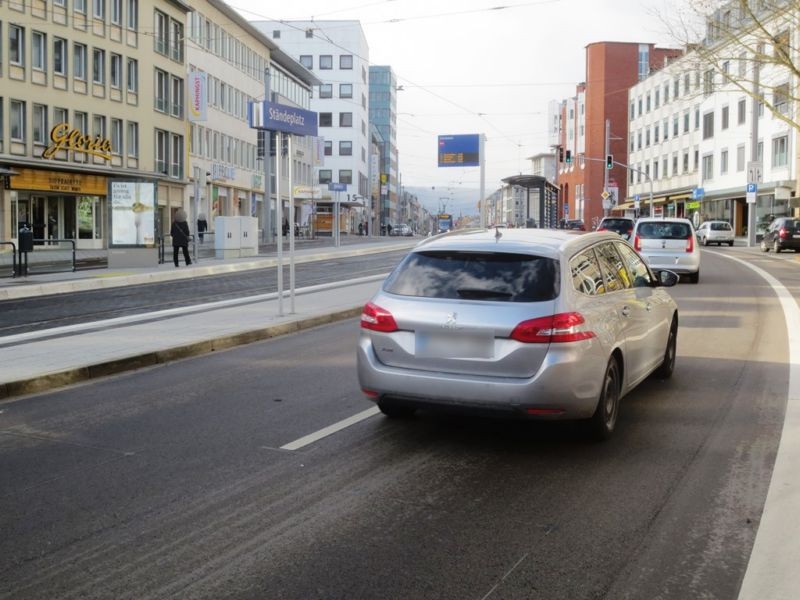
x=336, y=52
x=91, y=94
x=228, y=57
x=694, y=132
x=611, y=69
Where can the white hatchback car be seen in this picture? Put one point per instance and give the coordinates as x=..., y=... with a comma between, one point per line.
x=538, y=323
x=668, y=243
x=715, y=232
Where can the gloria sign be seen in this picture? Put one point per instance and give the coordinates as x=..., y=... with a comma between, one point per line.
x=281, y=117
x=65, y=137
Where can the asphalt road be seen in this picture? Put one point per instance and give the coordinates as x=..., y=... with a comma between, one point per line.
x=33, y=314
x=170, y=482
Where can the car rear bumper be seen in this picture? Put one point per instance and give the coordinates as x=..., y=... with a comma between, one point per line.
x=565, y=384
x=681, y=264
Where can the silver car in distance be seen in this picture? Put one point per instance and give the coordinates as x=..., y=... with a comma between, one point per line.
x=537, y=323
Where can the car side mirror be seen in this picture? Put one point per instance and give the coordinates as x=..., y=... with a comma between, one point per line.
x=667, y=278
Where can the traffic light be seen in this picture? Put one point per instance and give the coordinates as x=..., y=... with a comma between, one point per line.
x=609, y=161
x=560, y=154
x=568, y=157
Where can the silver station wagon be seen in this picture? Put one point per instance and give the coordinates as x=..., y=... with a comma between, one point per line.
x=537, y=323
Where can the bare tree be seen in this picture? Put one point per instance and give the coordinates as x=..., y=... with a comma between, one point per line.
x=750, y=46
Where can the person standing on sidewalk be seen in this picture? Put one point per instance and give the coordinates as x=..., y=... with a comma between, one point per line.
x=202, y=226
x=180, y=236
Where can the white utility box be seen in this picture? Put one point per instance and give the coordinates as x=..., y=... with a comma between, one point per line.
x=227, y=237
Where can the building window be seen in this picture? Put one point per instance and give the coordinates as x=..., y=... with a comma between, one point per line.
x=760, y=151
x=16, y=45
x=740, y=158
x=708, y=82
x=133, y=75
x=345, y=90
x=325, y=119
x=176, y=97
x=345, y=148
x=325, y=62
x=328, y=148
x=326, y=90
x=675, y=126
x=685, y=162
x=325, y=176
x=60, y=115
x=99, y=126
x=307, y=61
x=687, y=83
x=309, y=33
x=781, y=98
x=116, y=136
x=39, y=51
x=60, y=56
x=176, y=40
x=655, y=134
x=160, y=32
x=345, y=119
x=708, y=167
x=99, y=66
x=723, y=162
x=162, y=91
x=345, y=176
x=697, y=118
x=686, y=122
x=676, y=87
x=16, y=117
x=162, y=151
x=725, y=117
x=647, y=103
x=133, y=16
x=708, y=125
x=276, y=34
x=780, y=151
x=133, y=139
x=116, y=11
x=79, y=61
x=39, y=124
x=346, y=61
x=116, y=71
x=176, y=156
x=80, y=6
x=741, y=111
x=674, y=163
x=666, y=93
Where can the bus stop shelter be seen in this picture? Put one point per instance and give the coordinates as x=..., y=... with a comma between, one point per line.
x=541, y=205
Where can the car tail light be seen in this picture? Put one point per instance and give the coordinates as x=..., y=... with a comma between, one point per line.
x=637, y=243
x=783, y=233
x=541, y=412
x=690, y=244
x=370, y=393
x=563, y=327
x=376, y=318
x=602, y=229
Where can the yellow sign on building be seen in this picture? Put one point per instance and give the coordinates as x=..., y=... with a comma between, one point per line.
x=59, y=181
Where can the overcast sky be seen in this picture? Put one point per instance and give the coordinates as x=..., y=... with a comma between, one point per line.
x=467, y=66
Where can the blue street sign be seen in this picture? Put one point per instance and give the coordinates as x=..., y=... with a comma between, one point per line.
x=281, y=117
x=337, y=187
x=637, y=198
x=698, y=193
x=752, y=188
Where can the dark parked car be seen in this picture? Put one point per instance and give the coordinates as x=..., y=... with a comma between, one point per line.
x=782, y=234
x=575, y=224
x=620, y=225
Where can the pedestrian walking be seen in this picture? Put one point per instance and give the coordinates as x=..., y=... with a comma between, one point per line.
x=202, y=226
x=360, y=229
x=180, y=236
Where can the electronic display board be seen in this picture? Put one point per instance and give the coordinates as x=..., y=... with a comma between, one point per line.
x=459, y=150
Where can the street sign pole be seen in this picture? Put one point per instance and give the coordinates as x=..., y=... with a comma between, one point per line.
x=291, y=226
x=279, y=217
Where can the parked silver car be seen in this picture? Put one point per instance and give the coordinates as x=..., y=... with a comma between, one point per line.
x=530, y=322
x=715, y=232
x=668, y=243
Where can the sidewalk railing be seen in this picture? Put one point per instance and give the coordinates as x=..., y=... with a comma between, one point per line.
x=13, y=257
x=43, y=259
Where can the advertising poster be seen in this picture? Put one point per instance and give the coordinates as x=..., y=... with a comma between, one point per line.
x=132, y=214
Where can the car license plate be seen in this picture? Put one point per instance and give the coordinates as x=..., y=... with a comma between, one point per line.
x=453, y=344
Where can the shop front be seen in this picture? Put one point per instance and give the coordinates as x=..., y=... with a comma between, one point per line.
x=58, y=207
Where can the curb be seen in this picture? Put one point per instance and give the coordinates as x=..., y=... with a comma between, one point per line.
x=61, y=379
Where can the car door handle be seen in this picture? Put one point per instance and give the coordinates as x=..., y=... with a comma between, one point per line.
x=626, y=311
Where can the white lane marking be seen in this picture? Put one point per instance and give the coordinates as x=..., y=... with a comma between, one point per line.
x=330, y=429
x=772, y=570
x=511, y=570
x=180, y=311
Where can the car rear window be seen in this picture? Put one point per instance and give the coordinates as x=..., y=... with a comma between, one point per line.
x=491, y=276
x=721, y=226
x=665, y=230
x=792, y=224
x=609, y=223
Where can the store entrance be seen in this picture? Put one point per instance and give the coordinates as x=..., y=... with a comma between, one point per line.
x=46, y=218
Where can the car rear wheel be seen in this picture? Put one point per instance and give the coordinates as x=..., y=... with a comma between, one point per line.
x=764, y=247
x=692, y=277
x=730, y=244
x=705, y=241
x=604, y=419
x=776, y=246
x=665, y=369
x=393, y=410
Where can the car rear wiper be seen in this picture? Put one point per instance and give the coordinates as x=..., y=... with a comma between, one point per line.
x=478, y=293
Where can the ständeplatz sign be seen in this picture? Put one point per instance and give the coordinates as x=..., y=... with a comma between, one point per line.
x=281, y=117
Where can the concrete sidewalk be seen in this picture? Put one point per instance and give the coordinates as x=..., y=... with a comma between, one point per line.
x=48, y=359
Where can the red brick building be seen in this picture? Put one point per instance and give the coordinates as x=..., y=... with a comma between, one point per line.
x=611, y=69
